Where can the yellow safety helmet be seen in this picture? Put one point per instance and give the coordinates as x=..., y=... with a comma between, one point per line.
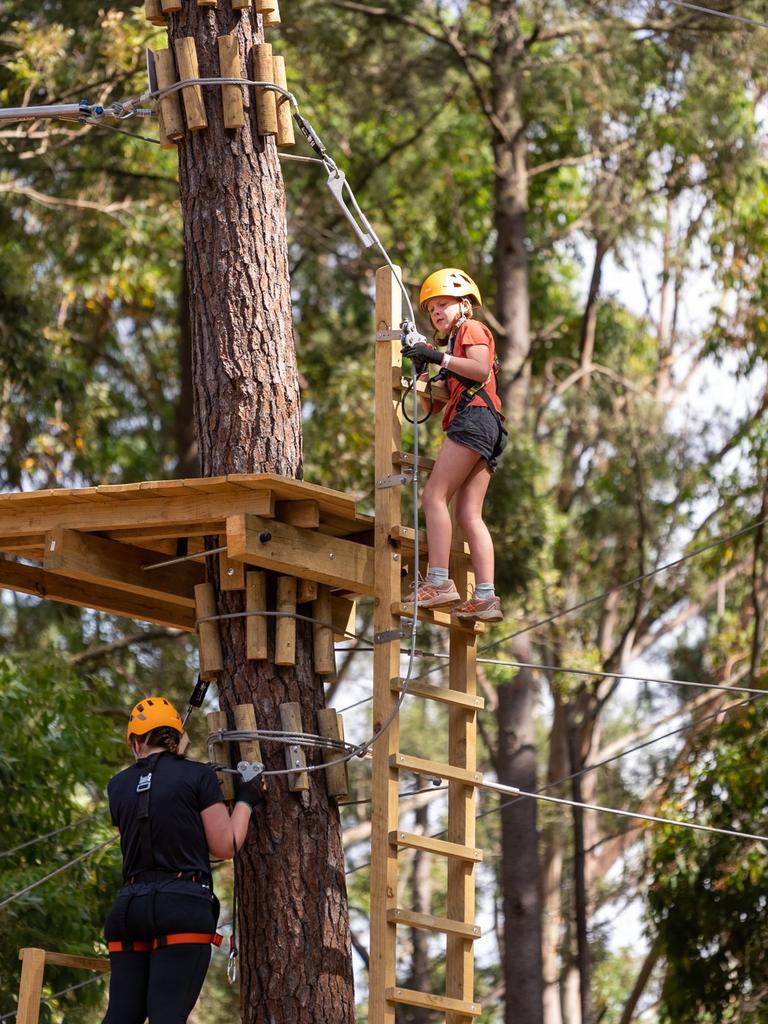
x=151, y=713
x=452, y=282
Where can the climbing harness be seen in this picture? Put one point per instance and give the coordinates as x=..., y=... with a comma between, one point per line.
x=175, y=939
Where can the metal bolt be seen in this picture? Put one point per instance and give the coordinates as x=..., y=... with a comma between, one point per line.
x=265, y=536
x=230, y=571
x=395, y=558
x=331, y=554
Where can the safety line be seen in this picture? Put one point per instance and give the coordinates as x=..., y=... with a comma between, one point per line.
x=48, y=835
x=719, y=14
x=58, y=871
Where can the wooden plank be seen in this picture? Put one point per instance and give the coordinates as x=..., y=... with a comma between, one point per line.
x=405, y=536
x=429, y=1001
x=438, y=617
x=30, y=985
x=83, y=556
x=436, y=769
x=285, y=629
x=271, y=544
x=427, y=922
x=141, y=511
x=86, y=963
x=27, y=579
x=288, y=489
x=290, y=719
x=304, y=514
x=409, y=459
x=331, y=724
x=441, y=693
x=256, y=625
x=211, y=655
x=221, y=753
x=325, y=656
x=386, y=658
x=245, y=719
x=440, y=847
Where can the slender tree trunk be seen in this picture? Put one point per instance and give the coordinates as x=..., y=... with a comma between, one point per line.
x=581, y=910
x=295, y=943
x=520, y=862
x=552, y=872
x=188, y=459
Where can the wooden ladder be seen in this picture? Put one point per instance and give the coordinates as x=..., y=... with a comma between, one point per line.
x=33, y=963
x=393, y=541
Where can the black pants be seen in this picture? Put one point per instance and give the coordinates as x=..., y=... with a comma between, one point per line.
x=162, y=985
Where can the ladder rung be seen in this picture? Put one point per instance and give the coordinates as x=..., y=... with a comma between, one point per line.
x=438, y=846
x=408, y=459
x=435, y=769
x=413, y=998
x=427, y=922
x=441, y=693
x=406, y=535
x=438, y=617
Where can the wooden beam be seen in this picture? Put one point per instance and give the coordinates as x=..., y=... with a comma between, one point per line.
x=31, y=985
x=82, y=556
x=27, y=579
x=429, y=1001
x=430, y=923
x=271, y=544
x=304, y=514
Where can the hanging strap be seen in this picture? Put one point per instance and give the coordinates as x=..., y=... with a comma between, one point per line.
x=144, y=789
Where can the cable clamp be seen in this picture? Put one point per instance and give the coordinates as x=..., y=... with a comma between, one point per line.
x=397, y=479
x=388, y=635
x=250, y=770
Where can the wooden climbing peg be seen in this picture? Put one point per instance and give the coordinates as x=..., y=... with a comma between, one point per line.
x=266, y=107
x=245, y=719
x=272, y=18
x=211, y=657
x=256, y=625
x=169, y=108
x=263, y=6
x=207, y=3
x=331, y=725
x=153, y=11
x=220, y=753
x=325, y=658
x=285, y=631
x=290, y=719
x=285, y=136
x=231, y=95
x=169, y=6
x=240, y=5
x=194, y=107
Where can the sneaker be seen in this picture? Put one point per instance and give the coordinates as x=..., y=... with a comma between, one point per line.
x=433, y=595
x=488, y=610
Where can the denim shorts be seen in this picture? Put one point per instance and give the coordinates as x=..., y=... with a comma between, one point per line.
x=478, y=428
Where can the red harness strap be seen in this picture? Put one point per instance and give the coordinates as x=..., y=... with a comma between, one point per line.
x=177, y=939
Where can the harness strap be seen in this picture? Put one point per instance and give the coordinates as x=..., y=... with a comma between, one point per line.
x=176, y=939
x=142, y=813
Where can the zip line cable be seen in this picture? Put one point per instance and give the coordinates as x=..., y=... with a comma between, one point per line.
x=48, y=835
x=57, y=995
x=718, y=14
x=58, y=871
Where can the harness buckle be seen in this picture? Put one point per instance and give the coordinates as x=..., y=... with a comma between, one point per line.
x=145, y=782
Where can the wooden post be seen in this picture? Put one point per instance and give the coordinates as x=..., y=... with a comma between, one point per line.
x=231, y=95
x=285, y=136
x=325, y=657
x=153, y=11
x=30, y=986
x=331, y=724
x=386, y=658
x=285, y=631
x=245, y=719
x=221, y=753
x=256, y=625
x=194, y=106
x=272, y=18
x=169, y=107
x=290, y=719
x=266, y=107
x=211, y=656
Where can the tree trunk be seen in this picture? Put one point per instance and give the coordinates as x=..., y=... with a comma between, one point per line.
x=295, y=955
x=187, y=457
x=581, y=909
x=520, y=861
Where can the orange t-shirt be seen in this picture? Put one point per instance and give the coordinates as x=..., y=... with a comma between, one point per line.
x=471, y=333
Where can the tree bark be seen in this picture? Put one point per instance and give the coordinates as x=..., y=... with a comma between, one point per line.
x=295, y=957
x=520, y=861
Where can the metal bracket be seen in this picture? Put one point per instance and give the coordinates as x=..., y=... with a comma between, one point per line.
x=397, y=479
x=385, y=335
x=388, y=635
x=250, y=770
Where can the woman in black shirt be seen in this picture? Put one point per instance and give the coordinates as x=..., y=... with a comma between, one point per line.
x=171, y=816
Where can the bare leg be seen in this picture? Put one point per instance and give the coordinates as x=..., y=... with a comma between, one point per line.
x=469, y=515
x=454, y=465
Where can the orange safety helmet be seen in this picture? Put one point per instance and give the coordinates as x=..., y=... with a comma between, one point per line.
x=151, y=713
x=452, y=282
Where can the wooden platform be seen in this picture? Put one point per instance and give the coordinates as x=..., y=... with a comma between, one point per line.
x=93, y=546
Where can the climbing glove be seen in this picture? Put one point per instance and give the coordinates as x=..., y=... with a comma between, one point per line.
x=251, y=793
x=422, y=353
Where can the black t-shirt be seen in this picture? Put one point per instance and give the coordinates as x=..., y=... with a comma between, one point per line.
x=180, y=790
